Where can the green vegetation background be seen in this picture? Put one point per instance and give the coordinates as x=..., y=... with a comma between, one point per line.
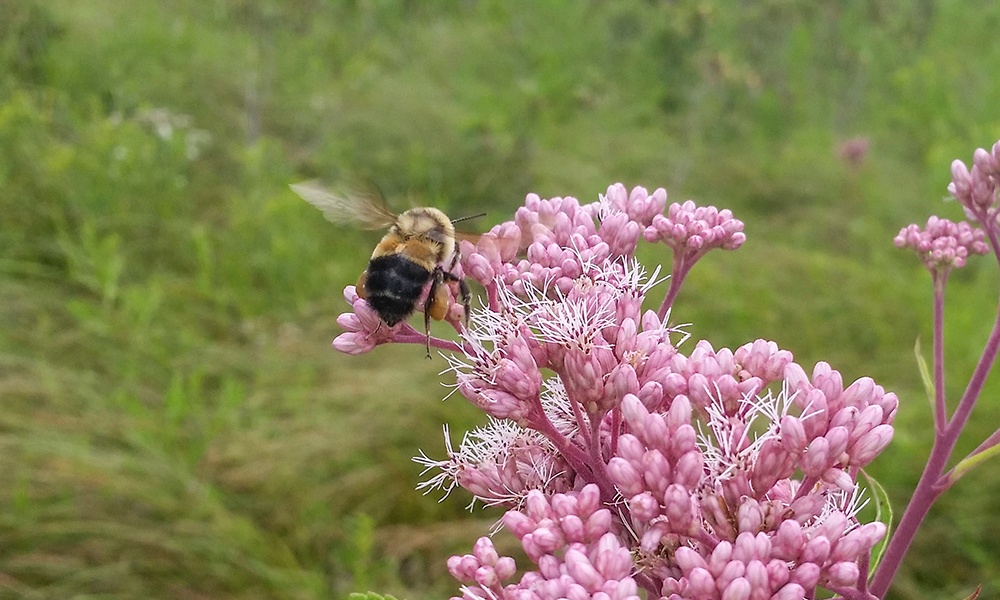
x=173, y=421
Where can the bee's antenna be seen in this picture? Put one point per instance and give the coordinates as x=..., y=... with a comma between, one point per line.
x=482, y=214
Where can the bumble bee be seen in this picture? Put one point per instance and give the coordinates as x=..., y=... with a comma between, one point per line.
x=419, y=249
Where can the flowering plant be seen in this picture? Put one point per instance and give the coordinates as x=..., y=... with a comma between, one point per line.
x=630, y=468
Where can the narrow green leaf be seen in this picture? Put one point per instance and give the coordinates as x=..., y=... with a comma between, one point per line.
x=925, y=374
x=883, y=513
x=368, y=596
x=967, y=463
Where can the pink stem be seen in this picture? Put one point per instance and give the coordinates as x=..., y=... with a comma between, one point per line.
x=932, y=484
x=680, y=270
x=940, y=408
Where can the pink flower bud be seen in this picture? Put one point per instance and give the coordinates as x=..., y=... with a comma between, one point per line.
x=635, y=414
x=353, y=343
x=806, y=575
x=536, y=506
x=657, y=434
x=625, y=476
x=833, y=526
x=651, y=538
x=986, y=162
x=816, y=550
x=563, y=505
x=790, y=591
x=839, y=478
x=598, y=524
x=872, y=533
x=611, y=559
x=679, y=413
x=484, y=551
x=487, y=577
x=582, y=572
x=478, y=267
x=866, y=420
x=961, y=180
x=793, y=435
x=573, y=528
x=701, y=584
x=738, y=589
x=518, y=523
x=773, y=463
x=651, y=394
x=870, y=445
x=534, y=551
x=731, y=571
x=843, y=573
x=689, y=469
x=505, y=568
x=720, y=557
x=463, y=568
x=644, y=506
x=778, y=572
x=756, y=576
x=816, y=458
x=678, y=507
x=656, y=471
x=790, y=540
x=630, y=449
x=688, y=559
x=837, y=438
x=547, y=538
x=859, y=393
x=807, y=507
x=549, y=567
x=683, y=440
x=749, y=517
x=828, y=380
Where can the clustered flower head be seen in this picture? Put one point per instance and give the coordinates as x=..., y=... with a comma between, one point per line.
x=978, y=190
x=943, y=245
x=626, y=463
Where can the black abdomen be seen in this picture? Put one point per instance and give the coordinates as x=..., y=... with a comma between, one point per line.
x=394, y=285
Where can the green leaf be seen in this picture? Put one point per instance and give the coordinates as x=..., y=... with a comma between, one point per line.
x=925, y=374
x=967, y=463
x=368, y=596
x=883, y=513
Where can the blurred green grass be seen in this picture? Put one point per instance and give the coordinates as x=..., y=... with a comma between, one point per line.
x=174, y=423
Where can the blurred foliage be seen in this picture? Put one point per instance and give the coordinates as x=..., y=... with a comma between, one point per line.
x=174, y=424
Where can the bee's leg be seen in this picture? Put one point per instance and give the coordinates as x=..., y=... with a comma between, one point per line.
x=466, y=300
x=431, y=305
x=463, y=287
x=362, y=282
x=464, y=292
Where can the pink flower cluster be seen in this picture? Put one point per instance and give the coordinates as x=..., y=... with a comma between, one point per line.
x=627, y=463
x=978, y=190
x=943, y=245
x=569, y=537
x=687, y=227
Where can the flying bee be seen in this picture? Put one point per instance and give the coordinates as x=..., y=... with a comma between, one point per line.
x=419, y=249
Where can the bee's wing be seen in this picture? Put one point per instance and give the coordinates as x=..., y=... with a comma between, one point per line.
x=502, y=243
x=364, y=210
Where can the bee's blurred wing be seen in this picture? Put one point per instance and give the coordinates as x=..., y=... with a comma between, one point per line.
x=364, y=210
x=503, y=244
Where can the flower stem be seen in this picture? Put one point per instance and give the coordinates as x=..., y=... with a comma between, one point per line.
x=932, y=484
x=419, y=338
x=679, y=272
x=940, y=408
